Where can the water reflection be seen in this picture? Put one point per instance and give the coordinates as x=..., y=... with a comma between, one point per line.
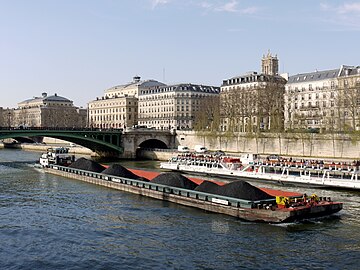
x=219, y=226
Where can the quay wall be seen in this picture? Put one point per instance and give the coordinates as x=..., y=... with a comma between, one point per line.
x=338, y=146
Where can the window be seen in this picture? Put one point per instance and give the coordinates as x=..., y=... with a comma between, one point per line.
x=332, y=85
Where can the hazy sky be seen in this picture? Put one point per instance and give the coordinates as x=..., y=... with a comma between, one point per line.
x=79, y=48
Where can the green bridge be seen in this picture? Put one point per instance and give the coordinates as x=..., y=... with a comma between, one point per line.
x=115, y=143
x=109, y=141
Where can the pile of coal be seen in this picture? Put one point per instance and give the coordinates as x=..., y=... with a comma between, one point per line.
x=175, y=180
x=243, y=190
x=87, y=165
x=208, y=187
x=119, y=170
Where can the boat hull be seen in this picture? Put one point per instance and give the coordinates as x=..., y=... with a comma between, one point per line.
x=244, y=210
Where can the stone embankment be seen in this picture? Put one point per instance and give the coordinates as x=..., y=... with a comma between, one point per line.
x=43, y=147
x=312, y=145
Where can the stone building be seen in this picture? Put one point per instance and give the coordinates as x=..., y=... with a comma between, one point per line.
x=2, y=122
x=348, y=114
x=253, y=102
x=323, y=100
x=172, y=106
x=118, y=108
x=46, y=111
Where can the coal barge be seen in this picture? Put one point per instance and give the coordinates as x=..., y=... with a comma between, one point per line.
x=283, y=207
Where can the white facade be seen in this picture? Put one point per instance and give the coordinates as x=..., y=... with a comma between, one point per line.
x=120, y=112
x=321, y=100
x=172, y=106
x=45, y=111
x=310, y=100
x=118, y=108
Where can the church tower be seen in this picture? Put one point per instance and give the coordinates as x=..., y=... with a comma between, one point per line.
x=270, y=64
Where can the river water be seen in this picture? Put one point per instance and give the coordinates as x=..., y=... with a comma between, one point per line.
x=50, y=222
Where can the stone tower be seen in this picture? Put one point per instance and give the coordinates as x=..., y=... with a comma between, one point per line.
x=270, y=64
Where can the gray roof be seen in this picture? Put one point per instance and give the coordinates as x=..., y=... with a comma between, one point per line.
x=314, y=76
x=349, y=70
x=141, y=84
x=183, y=87
x=55, y=97
x=252, y=77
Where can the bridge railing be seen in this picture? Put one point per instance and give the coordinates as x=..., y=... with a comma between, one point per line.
x=159, y=149
x=62, y=128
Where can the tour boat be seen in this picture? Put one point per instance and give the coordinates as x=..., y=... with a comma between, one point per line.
x=56, y=156
x=311, y=174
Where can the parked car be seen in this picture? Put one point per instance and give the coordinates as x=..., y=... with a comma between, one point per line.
x=183, y=149
x=200, y=149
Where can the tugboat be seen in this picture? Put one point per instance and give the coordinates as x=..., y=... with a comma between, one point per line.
x=56, y=156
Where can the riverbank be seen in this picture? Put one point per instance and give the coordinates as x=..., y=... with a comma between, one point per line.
x=159, y=154
x=304, y=145
x=43, y=148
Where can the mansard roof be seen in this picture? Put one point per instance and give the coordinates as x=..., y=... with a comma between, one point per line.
x=136, y=82
x=349, y=71
x=45, y=98
x=252, y=77
x=57, y=98
x=188, y=87
x=314, y=76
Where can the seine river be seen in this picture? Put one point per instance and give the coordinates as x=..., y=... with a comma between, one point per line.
x=50, y=222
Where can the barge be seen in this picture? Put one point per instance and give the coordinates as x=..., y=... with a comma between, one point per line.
x=285, y=207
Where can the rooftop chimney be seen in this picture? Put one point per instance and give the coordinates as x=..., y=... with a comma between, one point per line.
x=136, y=79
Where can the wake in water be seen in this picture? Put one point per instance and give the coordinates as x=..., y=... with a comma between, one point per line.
x=16, y=164
x=302, y=224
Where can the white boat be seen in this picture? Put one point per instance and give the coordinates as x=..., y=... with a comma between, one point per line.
x=56, y=156
x=284, y=172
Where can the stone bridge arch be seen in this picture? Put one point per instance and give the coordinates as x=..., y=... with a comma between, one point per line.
x=134, y=140
x=154, y=143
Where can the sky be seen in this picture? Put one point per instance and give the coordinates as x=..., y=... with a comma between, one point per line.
x=80, y=48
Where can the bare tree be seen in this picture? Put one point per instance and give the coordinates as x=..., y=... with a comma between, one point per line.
x=208, y=115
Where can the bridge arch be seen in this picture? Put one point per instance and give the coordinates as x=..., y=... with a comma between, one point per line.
x=153, y=143
x=107, y=142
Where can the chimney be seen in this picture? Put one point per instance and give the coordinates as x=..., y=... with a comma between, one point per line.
x=136, y=79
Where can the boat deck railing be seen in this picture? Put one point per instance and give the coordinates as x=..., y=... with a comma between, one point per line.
x=314, y=166
x=318, y=167
x=229, y=201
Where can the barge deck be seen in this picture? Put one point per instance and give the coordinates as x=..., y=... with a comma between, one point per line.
x=259, y=211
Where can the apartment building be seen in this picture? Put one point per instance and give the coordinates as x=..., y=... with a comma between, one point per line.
x=118, y=107
x=253, y=101
x=323, y=100
x=173, y=106
x=45, y=111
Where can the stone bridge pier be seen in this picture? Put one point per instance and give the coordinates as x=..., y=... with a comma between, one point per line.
x=132, y=140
